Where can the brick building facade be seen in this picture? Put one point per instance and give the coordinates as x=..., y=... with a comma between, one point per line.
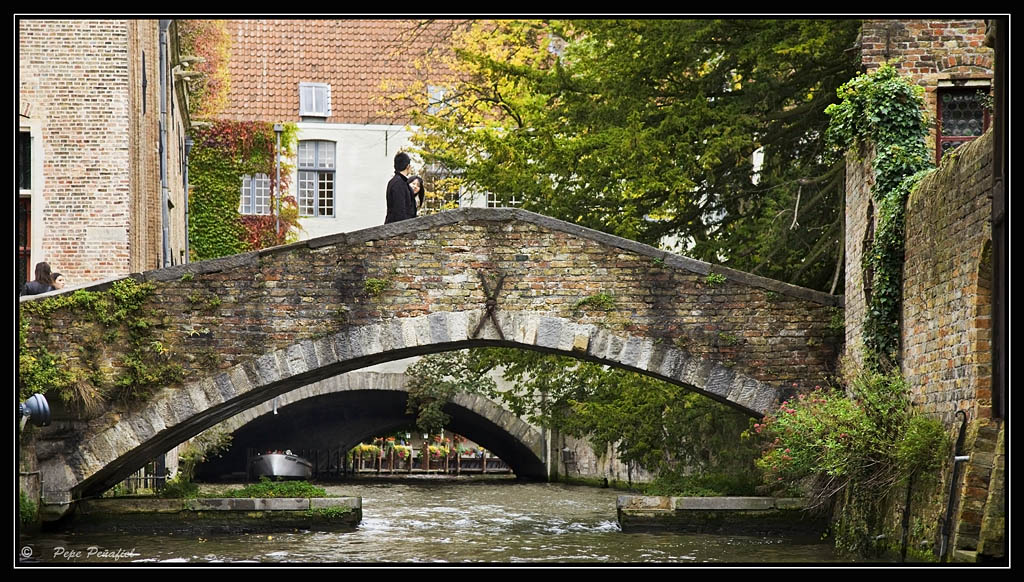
x=946, y=344
x=946, y=57
x=91, y=113
x=329, y=78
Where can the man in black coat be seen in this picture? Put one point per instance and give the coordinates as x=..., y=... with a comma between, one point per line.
x=399, y=195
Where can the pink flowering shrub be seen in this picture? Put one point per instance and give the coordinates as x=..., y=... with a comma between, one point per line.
x=815, y=433
x=871, y=437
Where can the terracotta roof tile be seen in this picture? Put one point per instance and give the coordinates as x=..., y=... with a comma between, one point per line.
x=269, y=58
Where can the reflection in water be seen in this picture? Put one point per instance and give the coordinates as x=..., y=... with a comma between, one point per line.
x=443, y=520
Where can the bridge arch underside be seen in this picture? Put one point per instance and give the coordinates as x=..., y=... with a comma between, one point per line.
x=341, y=420
x=106, y=456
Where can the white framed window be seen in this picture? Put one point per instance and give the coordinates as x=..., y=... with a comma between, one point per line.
x=314, y=100
x=255, y=195
x=511, y=201
x=316, y=178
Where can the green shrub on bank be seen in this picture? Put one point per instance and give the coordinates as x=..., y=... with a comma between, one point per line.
x=870, y=438
x=180, y=489
x=28, y=512
x=268, y=488
x=703, y=485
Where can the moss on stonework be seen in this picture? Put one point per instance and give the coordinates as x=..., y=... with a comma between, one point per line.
x=121, y=356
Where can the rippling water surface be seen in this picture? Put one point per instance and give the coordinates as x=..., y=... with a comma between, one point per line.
x=425, y=521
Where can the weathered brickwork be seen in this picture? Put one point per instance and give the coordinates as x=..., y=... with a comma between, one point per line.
x=255, y=325
x=947, y=319
x=946, y=338
x=946, y=326
x=75, y=75
x=931, y=52
x=82, y=81
x=946, y=332
x=861, y=221
x=946, y=315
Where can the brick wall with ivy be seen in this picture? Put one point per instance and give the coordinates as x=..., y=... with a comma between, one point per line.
x=945, y=333
x=223, y=153
x=929, y=51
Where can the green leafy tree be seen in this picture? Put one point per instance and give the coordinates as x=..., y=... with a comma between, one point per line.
x=648, y=129
x=659, y=426
x=435, y=379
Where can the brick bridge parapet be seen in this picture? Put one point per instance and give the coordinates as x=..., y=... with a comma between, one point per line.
x=249, y=327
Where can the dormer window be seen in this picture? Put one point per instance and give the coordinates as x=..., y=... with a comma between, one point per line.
x=314, y=100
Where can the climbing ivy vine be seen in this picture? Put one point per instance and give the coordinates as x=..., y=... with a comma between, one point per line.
x=115, y=317
x=884, y=109
x=223, y=153
x=209, y=40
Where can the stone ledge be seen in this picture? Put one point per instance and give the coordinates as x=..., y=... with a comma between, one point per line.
x=724, y=515
x=216, y=515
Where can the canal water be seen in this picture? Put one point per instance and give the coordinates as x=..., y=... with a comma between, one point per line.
x=420, y=521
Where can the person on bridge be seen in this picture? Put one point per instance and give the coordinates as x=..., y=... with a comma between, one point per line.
x=43, y=282
x=418, y=193
x=58, y=281
x=399, y=194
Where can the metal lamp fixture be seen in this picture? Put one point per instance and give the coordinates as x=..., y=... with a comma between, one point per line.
x=35, y=409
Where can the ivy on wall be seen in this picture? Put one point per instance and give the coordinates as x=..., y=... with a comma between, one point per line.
x=115, y=317
x=223, y=153
x=209, y=40
x=885, y=109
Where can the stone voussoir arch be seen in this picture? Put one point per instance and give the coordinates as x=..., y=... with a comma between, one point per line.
x=296, y=314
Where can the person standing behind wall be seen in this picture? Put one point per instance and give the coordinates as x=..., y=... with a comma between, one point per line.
x=399, y=195
x=43, y=282
x=418, y=194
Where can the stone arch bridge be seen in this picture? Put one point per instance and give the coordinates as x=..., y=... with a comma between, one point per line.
x=249, y=327
x=344, y=410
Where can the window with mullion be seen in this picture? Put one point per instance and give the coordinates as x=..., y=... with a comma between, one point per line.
x=314, y=99
x=255, y=195
x=962, y=117
x=316, y=178
x=493, y=201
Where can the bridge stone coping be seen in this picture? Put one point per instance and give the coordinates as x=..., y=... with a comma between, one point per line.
x=432, y=221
